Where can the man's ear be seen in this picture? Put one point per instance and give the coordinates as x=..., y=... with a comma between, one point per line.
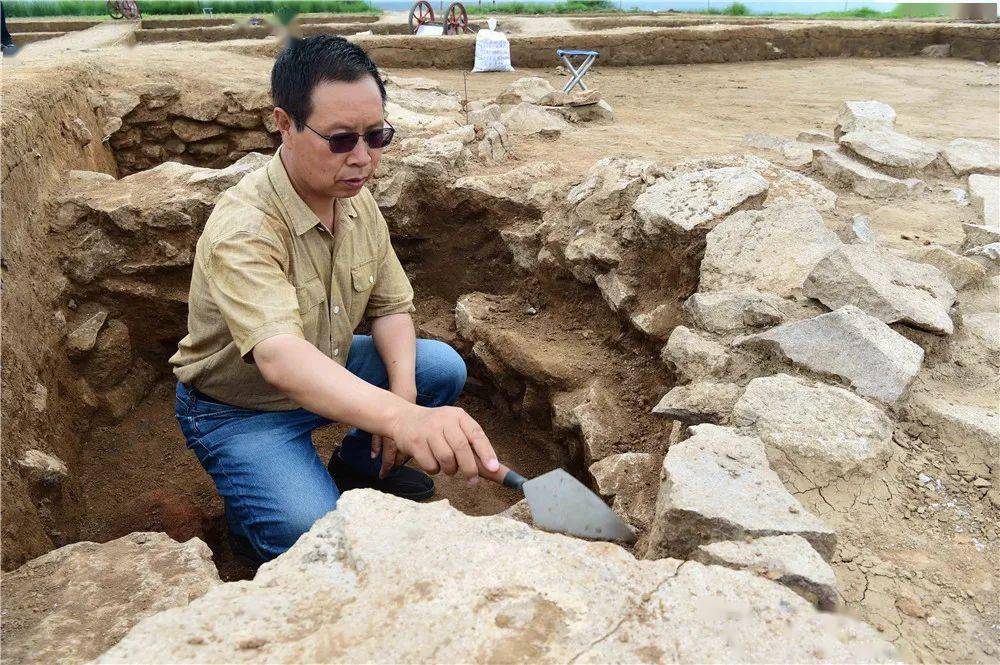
x=284, y=122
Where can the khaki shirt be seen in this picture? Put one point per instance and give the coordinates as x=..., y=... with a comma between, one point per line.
x=265, y=266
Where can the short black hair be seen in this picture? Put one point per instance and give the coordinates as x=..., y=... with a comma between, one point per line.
x=305, y=63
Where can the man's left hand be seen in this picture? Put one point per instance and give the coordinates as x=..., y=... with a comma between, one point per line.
x=384, y=444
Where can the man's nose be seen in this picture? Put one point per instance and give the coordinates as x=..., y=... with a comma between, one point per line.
x=360, y=155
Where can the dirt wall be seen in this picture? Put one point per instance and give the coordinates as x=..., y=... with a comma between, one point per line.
x=700, y=44
x=48, y=127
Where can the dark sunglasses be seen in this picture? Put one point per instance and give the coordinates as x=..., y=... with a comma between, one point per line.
x=376, y=139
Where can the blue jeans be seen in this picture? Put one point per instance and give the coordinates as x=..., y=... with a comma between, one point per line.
x=264, y=465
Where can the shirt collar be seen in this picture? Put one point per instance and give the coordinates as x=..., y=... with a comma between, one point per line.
x=300, y=216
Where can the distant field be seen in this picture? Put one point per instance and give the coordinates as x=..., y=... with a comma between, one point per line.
x=31, y=8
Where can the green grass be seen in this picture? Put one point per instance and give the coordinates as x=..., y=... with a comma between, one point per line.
x=31, y=8
x=567, y=7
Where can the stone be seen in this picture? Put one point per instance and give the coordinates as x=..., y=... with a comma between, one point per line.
x=773, y=250
x=527, y=188
x=485, y=117
x=189, y=130
x=496, y=143
x=619, y=295
x=792, y=153
x=698, y=201
x=428, y=100
x=109, y=127
x=978, y=235
x=896, y=151
x=520, y=511
x=736, y=310
x=599, y=112
x=583, y=97
x=75, y=602
x=884, y=286
x=717, y=485
x=84, y=336
x=869, y=115
x=784, y=185
x=966, y=156
x=530, y=89
x=813, y=136
x=631, y=480
x=594, y=419
x=465, y=134
x=412, y=121
x=196, y=105
x=655, y=322
x=611, y=187
x=860, y=230
x=984, y=193
x=41, y=468
x=554, y=98
x=699, y=402
x=847, y=171
x=958, y=270
x=527, y=119
x=848, y=344
x=119, y=104
x=78, y=130
x=539, y=601
x=814, y=433
x=111, y=357
x=936, y=51
x=971, y=431
x=245, y=141
x=694, y=357
x=524, y=243
x=787, y=560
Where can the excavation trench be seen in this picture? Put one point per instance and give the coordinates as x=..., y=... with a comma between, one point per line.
x=135, y=474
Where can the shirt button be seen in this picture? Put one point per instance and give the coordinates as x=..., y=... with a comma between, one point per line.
x=371, y=279
x=336, y=309
x=336, y=352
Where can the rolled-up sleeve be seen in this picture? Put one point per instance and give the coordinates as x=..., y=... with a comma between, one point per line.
x=250, y=288
x=392, y=293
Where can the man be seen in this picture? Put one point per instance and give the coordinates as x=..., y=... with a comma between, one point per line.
x=290, y=261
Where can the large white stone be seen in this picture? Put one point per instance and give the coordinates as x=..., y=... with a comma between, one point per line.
x=693, y=356
x=697, y=201
x=885, y=286
x=70, y=605
x=717, y=485
x=630, y=479
x=814, y=433
x=773, y=249
x=699, y=402
x=958, y=270
x=736, y=310
x=871, y=115
x=849, y=344
x=382, y=579
x=526, y=119
x=527, y=89
x=848, y=171
x=788, y=560
x=890, y=149
x=984, y=192
x=965, y=156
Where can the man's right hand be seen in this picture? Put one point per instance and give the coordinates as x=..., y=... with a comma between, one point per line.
x=444, y=438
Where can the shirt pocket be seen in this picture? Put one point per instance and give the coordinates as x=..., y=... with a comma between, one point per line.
x=312, y=296
x=362, y=281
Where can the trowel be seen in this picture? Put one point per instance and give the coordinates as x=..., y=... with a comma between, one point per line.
x=559, y=502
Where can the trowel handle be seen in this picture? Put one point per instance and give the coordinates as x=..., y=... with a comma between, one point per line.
x=504, y=476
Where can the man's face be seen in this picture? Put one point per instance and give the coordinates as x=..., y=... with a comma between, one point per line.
x=337, y=107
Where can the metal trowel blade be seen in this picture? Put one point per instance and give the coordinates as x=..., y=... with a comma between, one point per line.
x=559, y=502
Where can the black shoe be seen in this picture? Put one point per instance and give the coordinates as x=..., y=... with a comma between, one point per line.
x=403, y=481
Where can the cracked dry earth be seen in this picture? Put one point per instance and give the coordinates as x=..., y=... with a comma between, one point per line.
x=741, y=343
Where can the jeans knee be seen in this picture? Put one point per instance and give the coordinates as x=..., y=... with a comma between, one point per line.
x=276, y=538
x=444, y=377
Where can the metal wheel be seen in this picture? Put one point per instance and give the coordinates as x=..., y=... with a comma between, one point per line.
x=421, y=13
x=456, y=20
x=114, y=10
x=131, y=9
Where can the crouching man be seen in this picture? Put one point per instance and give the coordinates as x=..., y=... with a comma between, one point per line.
x=290, y=261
